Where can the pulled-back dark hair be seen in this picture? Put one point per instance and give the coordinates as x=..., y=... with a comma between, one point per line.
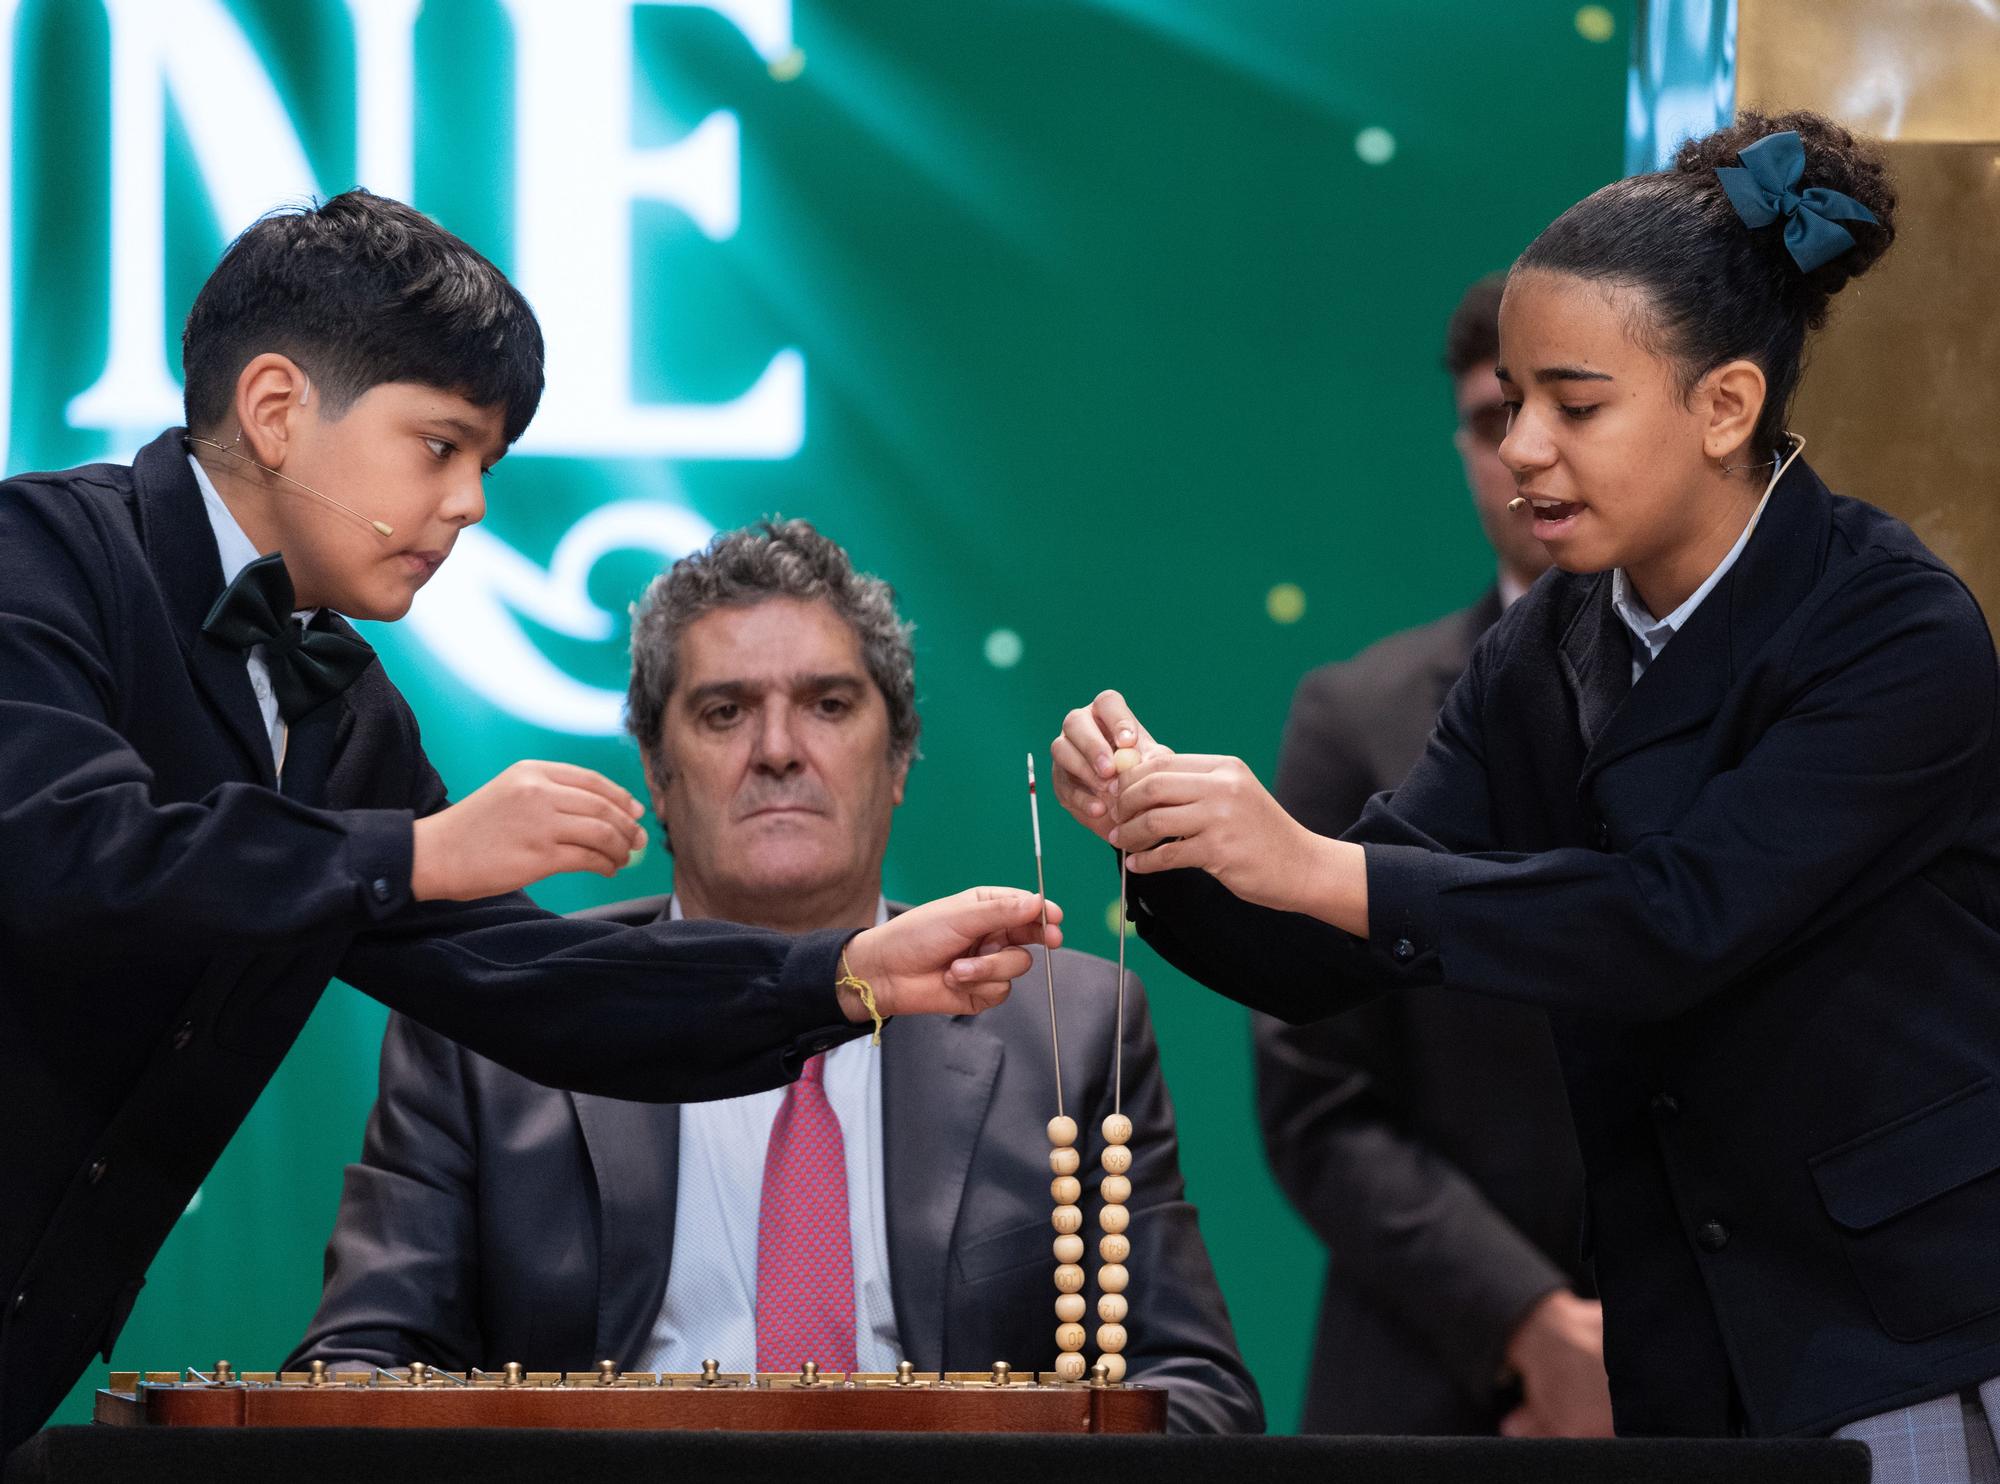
x=1716, y=290
x=1473, y=336
x=361, y=290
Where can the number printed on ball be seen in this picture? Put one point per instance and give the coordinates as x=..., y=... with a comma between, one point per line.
x=1116, y=1159
x=1065, y=1161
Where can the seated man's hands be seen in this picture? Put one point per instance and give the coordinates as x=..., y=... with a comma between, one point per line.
x=534, y=820
x=955, y=956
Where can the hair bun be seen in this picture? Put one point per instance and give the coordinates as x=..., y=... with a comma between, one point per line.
x=1836, y=159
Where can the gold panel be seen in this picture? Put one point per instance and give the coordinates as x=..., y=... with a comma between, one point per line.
x=1913, y=70
x=1898, y=405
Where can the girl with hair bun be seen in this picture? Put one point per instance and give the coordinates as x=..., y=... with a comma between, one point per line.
x=1719, y=793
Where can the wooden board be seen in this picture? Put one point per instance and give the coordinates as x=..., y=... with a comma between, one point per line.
x=765, y=1404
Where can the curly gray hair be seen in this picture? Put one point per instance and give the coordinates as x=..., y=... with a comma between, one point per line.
x=738, y=569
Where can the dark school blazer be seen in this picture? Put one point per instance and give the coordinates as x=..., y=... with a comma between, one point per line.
x=1758, y=891
x=491, y=1220
x=169, y=914
x=1424, y=1136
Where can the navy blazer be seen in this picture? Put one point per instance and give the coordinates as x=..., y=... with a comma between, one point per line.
x=1758, y=891
x=491, y=1220
x=169, y=914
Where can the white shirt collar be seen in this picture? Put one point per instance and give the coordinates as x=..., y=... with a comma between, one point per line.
x=674, y=913
x=1653, y=633
x=235, y=547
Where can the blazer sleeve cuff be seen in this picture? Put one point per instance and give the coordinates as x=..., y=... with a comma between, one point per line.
x=1403, y=927
x=380, y=844
x=808, y=1001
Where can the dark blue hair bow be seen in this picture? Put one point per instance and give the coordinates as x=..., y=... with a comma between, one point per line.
x=1765, y=188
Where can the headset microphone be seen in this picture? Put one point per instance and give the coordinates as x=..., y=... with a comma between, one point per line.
x=380, y=527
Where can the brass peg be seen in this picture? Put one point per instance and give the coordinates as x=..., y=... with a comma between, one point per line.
x=511, y=1375
x=607, y=1373
x=318, y=1375
x=1100, y=1374
x=809, y=1373
x=906, y=1373
x=711, y=1372
x=1001, y=1371
x=224, y=1374
x=419, y=1373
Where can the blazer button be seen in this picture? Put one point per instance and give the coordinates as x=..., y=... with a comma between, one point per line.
x=98, y=1168
x=1404, y=950
x=20, y=1301
x=1603, y=835
x=1713, y=1236
x=380, y=886
x=183, y=1035
x=1666, y=1105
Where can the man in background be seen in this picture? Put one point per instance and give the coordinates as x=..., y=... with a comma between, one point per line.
x=895, y=1204
x=1425, y=1137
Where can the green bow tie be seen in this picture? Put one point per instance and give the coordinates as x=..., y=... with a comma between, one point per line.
x=309, y=667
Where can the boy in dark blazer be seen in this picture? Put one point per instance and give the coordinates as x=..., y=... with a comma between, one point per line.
x=491, y=1219
x=212, y=800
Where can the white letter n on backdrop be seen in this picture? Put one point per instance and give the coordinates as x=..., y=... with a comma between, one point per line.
x=245, y=148
x=577, y=176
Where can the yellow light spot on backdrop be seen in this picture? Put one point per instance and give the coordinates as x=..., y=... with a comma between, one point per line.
x=1286, y=603
x=1111, y=918
x=1595, y=23
x=788, y=67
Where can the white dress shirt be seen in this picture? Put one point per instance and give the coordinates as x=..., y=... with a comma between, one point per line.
x=1653, y=633
x=710, y=1311
x=238, y=551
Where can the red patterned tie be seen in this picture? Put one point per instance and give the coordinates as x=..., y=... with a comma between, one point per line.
x=805, y=1256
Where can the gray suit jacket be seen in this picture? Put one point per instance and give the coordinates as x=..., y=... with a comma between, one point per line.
x=1425, y=1135
x=491, y=1219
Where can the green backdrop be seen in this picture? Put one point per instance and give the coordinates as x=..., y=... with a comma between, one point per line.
x=1087, y=324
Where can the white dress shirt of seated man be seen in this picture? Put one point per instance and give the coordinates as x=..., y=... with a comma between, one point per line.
x=777, y=732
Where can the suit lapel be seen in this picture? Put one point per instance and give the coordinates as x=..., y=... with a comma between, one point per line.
x=635, y=1159
x=174, y=527
x=1685, y=687
x=937, y=1082
x=1596, y=660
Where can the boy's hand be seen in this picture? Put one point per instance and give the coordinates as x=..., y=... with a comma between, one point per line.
x=534, y=820
x=955, y=956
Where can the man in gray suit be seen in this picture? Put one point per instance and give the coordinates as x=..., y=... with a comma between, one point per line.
x=896, y=1205
x=1426, y=1137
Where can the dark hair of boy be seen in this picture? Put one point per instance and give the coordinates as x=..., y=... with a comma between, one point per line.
x=361, y=290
